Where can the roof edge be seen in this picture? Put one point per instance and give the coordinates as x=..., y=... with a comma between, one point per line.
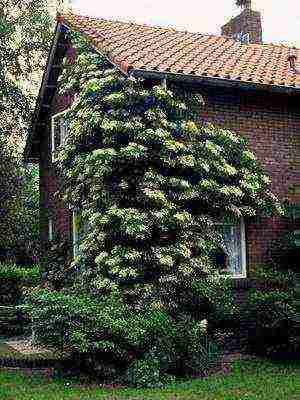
x=216, y=81
x=45, y=78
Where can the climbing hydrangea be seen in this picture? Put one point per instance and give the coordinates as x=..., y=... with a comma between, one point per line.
x=149, y=182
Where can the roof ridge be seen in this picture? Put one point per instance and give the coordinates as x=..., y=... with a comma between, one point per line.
x=174, y=29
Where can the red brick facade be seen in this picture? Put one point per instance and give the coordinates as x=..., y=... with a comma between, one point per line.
x=272, y=126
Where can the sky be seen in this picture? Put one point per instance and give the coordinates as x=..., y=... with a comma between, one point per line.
x=280, y=19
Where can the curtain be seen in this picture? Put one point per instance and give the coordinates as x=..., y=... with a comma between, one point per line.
x=231, y=245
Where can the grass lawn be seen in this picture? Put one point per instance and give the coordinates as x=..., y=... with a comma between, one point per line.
x=249, y=380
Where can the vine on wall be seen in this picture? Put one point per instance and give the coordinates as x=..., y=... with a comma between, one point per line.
x=149, y=185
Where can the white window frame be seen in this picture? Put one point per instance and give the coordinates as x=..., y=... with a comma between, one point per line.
x=50, y=229
x=54, y=118
x=243, y=250
x=75, y=234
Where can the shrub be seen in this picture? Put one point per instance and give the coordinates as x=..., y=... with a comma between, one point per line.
x=146, y=372
x=271, y=306
x=55, y=262
x=22, y=275
x=284, y=252
x=110, y=335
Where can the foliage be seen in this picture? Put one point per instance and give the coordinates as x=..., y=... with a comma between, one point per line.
x=10, y=194
x=29, y=229
x=24, y=39
x=146, y=373
x=25, y=34
x=284, y=252
x=55, y=262
x=149, y=184
x=19, y=212
x=112, y=334
x=271, y=306
x=149, y=188
x=28, y=275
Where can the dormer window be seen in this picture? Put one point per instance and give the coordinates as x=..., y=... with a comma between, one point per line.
x=59, y=133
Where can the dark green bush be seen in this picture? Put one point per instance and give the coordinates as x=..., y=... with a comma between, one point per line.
x=110, y=335
x=55, y=263
x=271, y=308
x=284, y=252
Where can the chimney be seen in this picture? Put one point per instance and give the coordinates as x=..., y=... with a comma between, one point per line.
x=246, y=27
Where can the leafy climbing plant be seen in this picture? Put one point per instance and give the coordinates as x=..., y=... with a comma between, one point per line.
x=150, y=183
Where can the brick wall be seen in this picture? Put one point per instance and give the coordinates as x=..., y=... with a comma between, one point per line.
x=272, y=125
x=51, y=207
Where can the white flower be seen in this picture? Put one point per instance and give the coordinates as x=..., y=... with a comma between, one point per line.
x=203, y=325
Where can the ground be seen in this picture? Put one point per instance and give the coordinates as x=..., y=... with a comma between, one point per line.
x=248, y=380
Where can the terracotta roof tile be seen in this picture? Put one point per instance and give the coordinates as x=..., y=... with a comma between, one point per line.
x=169, y=50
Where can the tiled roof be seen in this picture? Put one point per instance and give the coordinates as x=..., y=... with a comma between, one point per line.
x=130, y=45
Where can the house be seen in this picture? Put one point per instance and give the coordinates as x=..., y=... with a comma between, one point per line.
x=249, y=87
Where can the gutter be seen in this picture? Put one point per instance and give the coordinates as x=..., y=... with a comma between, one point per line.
x=45, y=78
x=214, y=81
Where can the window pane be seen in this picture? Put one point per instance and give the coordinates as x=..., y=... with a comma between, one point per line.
x=50, y=229
x=232, y=247
x=80, y=228
x=63, y=131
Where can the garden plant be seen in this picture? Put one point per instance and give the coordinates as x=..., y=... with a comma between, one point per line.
x=147, y=181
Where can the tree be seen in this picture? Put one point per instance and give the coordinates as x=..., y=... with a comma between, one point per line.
x=10, y=195
x=26, y=29
x=25, y=36
x=19, y=199
x=25, y=32
x=29, y=230
x=150, y=183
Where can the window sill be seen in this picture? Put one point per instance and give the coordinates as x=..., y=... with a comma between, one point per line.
x=241, y=282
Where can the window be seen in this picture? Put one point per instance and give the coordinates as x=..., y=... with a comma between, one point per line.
x=79, y=229
x=50, y=229
x=59, y=132
x=231, y=256
x=76, y=232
